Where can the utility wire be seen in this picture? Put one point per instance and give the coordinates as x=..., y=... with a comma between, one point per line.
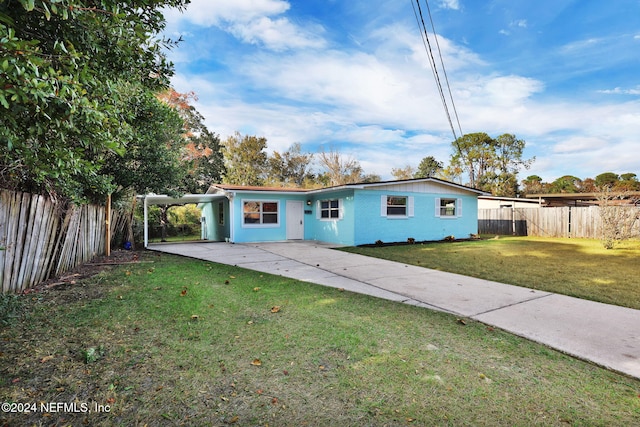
x=444, y=71
x=427, y=45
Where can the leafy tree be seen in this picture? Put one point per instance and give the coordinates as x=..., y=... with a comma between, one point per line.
x=607, y=179
x=201, y=155
x=245, y=159
x=291, y=168
x=533, y=185
x=628, y=182
x=491, y=164
x=429, y=166
x=151, y=162
x=587, y=185
x=338, y=169
x=475, y=153
x=63, y=65
x=406, y=172
x=509, y=151
x=565, y=184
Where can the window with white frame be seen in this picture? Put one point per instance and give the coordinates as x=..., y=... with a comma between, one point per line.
x=258, y=212
x=330, y=209
x=396, y=206
x=448, y=207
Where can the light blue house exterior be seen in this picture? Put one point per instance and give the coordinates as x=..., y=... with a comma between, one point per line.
x=354, y=214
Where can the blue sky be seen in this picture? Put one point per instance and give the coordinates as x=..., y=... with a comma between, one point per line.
x=354, y=75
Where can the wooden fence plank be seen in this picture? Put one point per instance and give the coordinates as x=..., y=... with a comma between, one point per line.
x=40, y=237
x=26, y=257
x=12, y=232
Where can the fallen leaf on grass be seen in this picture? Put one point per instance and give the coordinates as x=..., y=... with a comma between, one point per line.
x=184, y=292
x=232, y=277
x=46, y=359
x=461, y=321
x=233, y=420
x=274, y=401
x=256, y=362
x=275, y=309
x=256, y=289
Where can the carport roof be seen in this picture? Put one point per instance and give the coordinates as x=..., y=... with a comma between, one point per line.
x=163, y=199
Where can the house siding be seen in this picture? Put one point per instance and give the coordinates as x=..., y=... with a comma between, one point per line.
x=243, y=233
x=371, y=226
x=362, y=214
x=341, y=230
x=215, y=230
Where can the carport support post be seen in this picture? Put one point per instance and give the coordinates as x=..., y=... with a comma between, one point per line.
x=107, y=223
x=146, y=225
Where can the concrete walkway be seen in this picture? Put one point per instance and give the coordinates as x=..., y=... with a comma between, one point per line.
x=604, y=334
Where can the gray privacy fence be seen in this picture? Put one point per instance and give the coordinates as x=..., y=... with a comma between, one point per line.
x=584, y=222
x=40, y=238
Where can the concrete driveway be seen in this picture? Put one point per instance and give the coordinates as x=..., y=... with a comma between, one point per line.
x=604, y=334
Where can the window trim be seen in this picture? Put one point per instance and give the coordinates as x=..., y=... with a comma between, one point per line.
x=457, y=213
x=261, y=214
x=329, y=209
x=384, y=206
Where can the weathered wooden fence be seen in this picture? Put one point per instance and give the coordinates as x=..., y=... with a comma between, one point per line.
x=40, y=238
x=583, y=222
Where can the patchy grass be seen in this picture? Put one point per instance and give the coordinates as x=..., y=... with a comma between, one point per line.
x=576, y=267
x=187, y=342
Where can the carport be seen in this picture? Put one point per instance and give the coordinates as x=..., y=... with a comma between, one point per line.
x=163, y=199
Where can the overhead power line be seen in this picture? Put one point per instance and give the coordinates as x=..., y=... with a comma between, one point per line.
x=434, y=67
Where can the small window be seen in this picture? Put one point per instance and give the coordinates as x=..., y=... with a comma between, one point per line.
x=447, y=207
x=396, y=206
x=220, y=213
x=258, y=213
x=329, y=209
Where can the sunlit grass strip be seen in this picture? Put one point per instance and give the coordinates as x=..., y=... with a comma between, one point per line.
x=575, y=267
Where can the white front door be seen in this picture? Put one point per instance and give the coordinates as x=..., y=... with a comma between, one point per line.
x=295, y=220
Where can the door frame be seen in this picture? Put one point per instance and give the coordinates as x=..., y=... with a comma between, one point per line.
x=295, y=220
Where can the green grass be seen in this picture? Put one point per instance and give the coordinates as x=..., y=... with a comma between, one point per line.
x=325, y=358
x=575, y=267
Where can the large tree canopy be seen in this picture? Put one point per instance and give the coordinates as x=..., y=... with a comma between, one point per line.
x=66, y=71
x=491, y=164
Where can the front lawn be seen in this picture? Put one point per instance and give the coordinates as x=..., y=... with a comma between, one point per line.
x=575, y=267
x=187, y=342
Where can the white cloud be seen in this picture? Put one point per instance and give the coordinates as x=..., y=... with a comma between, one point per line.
x=251, y=21
x=621, y=91
x=450, y=4
x=277, y=34
x=578, y=144
x=379, y=103
x=207, y=13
